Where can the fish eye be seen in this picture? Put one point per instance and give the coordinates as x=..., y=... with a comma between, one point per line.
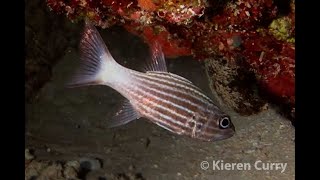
x=224, y=123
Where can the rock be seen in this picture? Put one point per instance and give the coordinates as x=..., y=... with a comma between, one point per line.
x=28, y=155
x=90, y=163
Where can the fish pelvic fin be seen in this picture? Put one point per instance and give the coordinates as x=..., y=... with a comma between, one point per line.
x=125, y=114
x=95, y=59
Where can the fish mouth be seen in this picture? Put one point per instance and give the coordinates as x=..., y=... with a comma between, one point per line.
x=225, y=135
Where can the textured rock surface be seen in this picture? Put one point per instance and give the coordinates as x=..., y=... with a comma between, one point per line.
x=235, y=85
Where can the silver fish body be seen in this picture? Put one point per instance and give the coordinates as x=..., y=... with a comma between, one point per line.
x=165, y=99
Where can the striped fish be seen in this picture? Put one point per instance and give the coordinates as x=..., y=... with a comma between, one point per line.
x=166, y=99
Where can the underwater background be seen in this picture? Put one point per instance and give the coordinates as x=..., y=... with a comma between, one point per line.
x=66, y=137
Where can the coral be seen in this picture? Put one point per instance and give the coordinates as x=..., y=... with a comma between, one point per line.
x=281, y=29
x=255, y=32
x=181, y=12
x=171, y=46
x=106, y=13
x=147, y=5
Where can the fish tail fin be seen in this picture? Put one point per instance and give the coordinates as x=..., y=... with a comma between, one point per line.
x=95, y=59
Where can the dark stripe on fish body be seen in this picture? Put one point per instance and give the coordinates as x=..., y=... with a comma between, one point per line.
x=179, y=107
x=147, y=108
x=164, y=122
x=162, y=110
x=187, y=97
x=174, y=99
x=142, y=92
x=169, y=76
x=166, y=105
x=163, y=103
x=158, y=111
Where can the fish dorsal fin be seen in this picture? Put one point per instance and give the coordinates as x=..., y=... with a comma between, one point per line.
x=124, y=115
x=158, y=62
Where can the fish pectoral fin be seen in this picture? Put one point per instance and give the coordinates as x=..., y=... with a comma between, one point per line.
x=125, y=115
x=158, y=62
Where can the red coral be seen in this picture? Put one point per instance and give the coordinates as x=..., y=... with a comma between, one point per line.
x=147, y=5
x=171, y=47
x=274, y=64
x=181, y=13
